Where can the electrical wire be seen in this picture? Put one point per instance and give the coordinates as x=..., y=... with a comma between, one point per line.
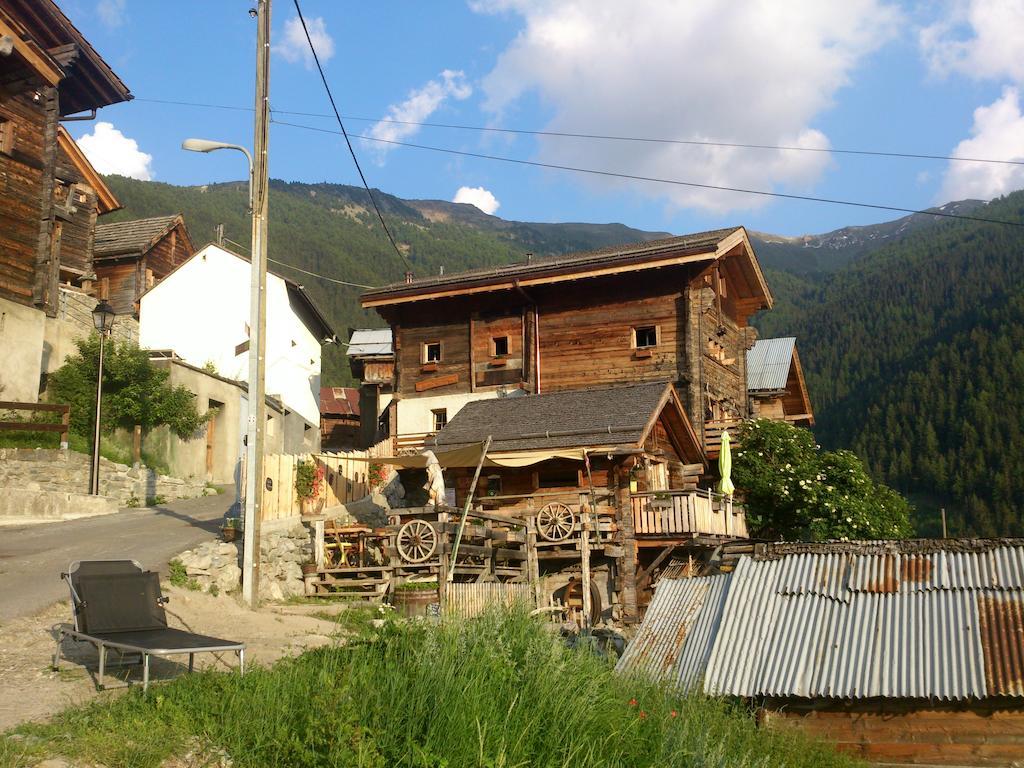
x=608, y=137
x=656, y=180
x=303, y=271
x=337, y=115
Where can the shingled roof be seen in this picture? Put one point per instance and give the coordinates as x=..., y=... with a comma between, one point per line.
x=132, y=238
x=620, y=255
x=571, y=419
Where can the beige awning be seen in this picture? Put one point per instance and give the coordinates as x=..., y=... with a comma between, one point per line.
x=469, y=456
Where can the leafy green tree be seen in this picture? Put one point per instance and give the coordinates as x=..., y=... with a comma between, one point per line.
x=793, y=490
x=134, y=391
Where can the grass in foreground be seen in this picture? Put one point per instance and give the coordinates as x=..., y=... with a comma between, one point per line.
x=495, y=692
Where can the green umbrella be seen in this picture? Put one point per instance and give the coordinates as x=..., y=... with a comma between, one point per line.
x=725, y=466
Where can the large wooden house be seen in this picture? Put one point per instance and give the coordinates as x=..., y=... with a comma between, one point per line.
x=676, y=309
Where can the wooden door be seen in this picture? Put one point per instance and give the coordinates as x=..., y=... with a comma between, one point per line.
x=211, y=430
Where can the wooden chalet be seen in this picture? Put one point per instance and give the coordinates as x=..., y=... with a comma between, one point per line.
x=371, y=358
x=130, y=257
x=775, y=383
x=51, y=195
x=339, y=419
x=675, y=309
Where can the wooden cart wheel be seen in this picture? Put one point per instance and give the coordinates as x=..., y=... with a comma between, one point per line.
x=555, y=521
x=416, y=541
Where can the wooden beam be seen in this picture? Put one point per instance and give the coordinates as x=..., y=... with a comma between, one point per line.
x=645, y=575
x=36, y=58
x=437, y=381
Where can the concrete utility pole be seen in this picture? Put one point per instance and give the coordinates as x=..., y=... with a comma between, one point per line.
x=254, y=479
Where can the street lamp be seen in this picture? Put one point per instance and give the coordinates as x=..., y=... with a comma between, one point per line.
x=257, y=324
x=103, y=319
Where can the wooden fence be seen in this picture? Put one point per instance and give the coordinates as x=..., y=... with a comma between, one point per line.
x=37, y=426
x=469, y=600
x=345, y=480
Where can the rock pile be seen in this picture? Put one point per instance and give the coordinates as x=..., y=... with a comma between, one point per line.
x=213, y=563
x=282, y=552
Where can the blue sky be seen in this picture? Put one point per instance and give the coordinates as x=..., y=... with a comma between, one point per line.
x=932, y=78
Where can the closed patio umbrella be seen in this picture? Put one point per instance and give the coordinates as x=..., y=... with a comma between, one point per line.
x=725, y=466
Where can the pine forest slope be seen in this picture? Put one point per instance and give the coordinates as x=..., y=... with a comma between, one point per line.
x=914, y=356
x=331, y=229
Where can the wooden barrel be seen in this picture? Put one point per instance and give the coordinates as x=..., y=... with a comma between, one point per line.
x=413, y=602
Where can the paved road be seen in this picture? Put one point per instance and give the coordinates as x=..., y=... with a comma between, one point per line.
x=33, y=556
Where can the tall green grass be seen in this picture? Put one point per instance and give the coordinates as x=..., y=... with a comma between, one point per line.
x=496, y=692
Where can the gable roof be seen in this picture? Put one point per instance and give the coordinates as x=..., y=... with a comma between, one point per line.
x=768, y=363
x=693, y=248
x=48, y=39
x=607, y=416
x=105, y=198
x=135, y=237
x=371, y=342
x=339, y=401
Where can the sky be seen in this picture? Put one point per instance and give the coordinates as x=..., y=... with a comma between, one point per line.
x=936, y=78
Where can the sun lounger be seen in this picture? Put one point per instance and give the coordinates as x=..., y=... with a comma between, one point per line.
x=118, y=605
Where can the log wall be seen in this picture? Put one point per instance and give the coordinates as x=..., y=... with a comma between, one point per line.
x=910, y=733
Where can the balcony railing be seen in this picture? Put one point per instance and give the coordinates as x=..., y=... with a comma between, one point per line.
x=411, y=442
x=681, y=513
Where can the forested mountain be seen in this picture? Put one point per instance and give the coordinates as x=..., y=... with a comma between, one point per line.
x=331, y=229
x=914, y=355
x=911, y=332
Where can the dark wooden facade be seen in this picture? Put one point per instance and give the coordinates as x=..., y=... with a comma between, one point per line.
x=682, y=317
x=133, y=256
x=50, y=195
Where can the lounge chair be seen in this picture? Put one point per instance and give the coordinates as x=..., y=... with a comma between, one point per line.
x=116, y=604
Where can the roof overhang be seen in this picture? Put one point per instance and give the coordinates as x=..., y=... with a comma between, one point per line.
x=35, y=57
x=681, y=432
x=104, y=196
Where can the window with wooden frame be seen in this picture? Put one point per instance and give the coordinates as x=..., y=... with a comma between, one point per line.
x=645, y=336
x=7, y=135
x=431, y=352
x=499, y=346
x=440, y=417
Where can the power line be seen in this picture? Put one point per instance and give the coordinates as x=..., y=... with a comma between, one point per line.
x=656, y=180
x=303, y=271
x=609, y=137
x=337, y=115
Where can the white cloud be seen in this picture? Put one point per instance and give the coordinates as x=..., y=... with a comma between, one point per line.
x=419, y=105
x=997, y=133
x=294, y=47
x=743, y=71
x=482, y=198
x=977, y=38
x=110, y=151
x=111, y=13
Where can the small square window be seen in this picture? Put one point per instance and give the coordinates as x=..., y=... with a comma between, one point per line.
x=432, y=352
x=440, y=418
x=646, y=336
x=499, y=345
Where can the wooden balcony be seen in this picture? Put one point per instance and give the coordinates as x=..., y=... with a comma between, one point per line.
x=671, y=514
x=411, y=442
x=713, y=435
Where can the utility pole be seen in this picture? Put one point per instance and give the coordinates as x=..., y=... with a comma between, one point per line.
x=257, y=422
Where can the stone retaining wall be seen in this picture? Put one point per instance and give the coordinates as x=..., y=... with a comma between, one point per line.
x=44, y=469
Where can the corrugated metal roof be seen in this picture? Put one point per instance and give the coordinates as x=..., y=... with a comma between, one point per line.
x=370, y=341
x=339, y=401
x=674, y=640
x=768, y=363
x=943, y=625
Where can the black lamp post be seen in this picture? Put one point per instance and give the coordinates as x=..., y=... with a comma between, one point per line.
x=103, y=319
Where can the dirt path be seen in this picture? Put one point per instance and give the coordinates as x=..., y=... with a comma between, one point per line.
x=31, y=690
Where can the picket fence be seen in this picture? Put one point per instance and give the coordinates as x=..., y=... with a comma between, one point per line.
x=345, y=480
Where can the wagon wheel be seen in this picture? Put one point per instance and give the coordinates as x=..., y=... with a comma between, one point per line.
x=555, y=521
x=416, y=541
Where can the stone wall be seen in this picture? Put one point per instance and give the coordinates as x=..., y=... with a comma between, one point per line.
x=68, y=472
x=282, y=552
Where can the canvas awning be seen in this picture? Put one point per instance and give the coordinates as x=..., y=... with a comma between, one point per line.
x=469, y=456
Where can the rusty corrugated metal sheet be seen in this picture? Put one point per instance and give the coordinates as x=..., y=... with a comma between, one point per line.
x=940, y=625
x=469, y=600
x=674, y=641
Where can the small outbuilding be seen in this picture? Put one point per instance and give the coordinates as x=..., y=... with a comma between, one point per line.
x=776, y=387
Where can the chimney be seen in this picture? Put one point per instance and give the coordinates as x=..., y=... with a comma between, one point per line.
x=408, y=277
x=218, y=237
